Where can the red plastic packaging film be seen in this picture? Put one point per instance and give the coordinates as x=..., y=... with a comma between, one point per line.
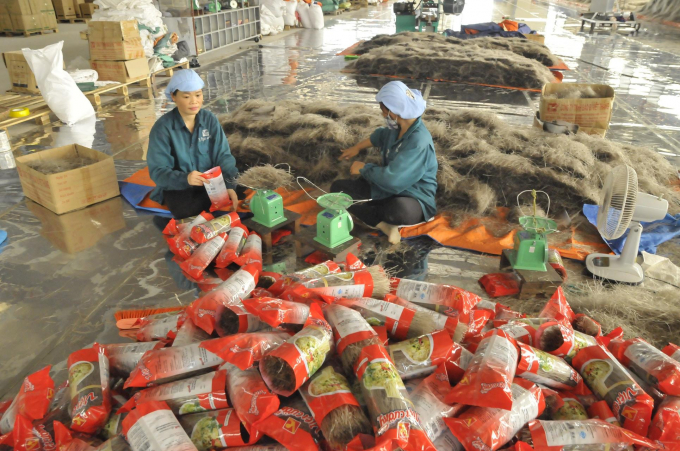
x=396, y=318
x=542, y=368
x=124, y=357
x=175, y=226
x=183, y=238
x=261, y=292
x=88, y=378
x=488, y=379
x=251, y=254
x=32, y=401
x=601, y=411
x=233, y=246
x=578, y=434
x=192, y=395
x=7, y=442
x=159, y=326
x=391, y=412
x=293, y=426
x=315, y=272
x=558, y=308
x=348, y=326
x=457, y=362
x=568, y=407
x=420, y=356
x=505, y=313
x=437, y=297
x=382, y=334
x=555, y=260
x=153, y=427
x=64, y=440
x=434, y=320
x=500, y=284
x=215, y=429
x=586, y=325
x=673, y=351
x=203, y=311
x=208, y=230
x=561, y=340
x=216, y=189
x=521, y=331
x=203, y=256
x=169, y=364
x=243, y=350
x=277, y=312
x=352, y=263
x=233, y=319
x=610, y=381
x=488, y=428
x=649, y=364
x=303, y=353
x=188, y=334
x=471, y=325
x=353, y=285
x=666, y=423
x=427, y=398
x=250, y=397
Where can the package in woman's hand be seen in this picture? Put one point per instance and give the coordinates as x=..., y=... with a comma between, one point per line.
x=217, y=190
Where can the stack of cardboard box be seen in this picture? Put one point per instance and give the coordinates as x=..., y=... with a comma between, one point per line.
x=116, y=51
x=87, y=9
x=20, y=74
x=65, y=9
x=27, y=16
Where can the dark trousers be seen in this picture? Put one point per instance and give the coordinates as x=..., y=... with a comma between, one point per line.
x=395, y=210
x=192, y=201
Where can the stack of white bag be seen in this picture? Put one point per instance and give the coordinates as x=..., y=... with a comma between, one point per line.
x=269, y=21
x=289, y=12
x=311, y=16
x=143, y=11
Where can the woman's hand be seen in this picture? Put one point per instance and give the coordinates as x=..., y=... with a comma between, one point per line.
x=195, y=178
x=350, y=153
x=356, y=167
x=234, y=199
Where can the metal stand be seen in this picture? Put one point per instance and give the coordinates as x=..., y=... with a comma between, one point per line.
x=533, y=283
x=291, y=223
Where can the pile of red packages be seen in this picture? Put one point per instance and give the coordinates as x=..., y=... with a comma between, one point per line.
x=321, y=359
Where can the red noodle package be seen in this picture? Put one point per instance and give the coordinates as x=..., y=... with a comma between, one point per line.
x=250, y=396
x=65, y=441
x=206, y=231
x=396, y=318
x=192, y=395
x=578, y=434
x=124, y=357
x=558, y=308
x=233, y=319
x=315, y=272
x=88, y=379
x=277, y=312
x=183, y=238
x=673, y=351
x=601, y=411
x=233, y=246
x=568, y=407
x=203, y=256
x=610, y=382
x=159, y=326
x=666, y=423
x=203, y=311
x=439, y=321
x=32, y=401
x=437, y=297
x=345, y=284
x=169, y=364
x=471, y=324
x=215, y=429
x=348, y=327
x=561, y=340
x=299, y=357
x=505, y=314
x=189, y=333
x=488, y=379
x=522, y=332
x=457, y=362
x=487, y=428
x=175, y=226
x=153, y=427
x=293, y=426
x=394, y=419
x=546, y=369
x=213, y=181
x=420, y=356
x=649, y=363
x=243, y=350
x=251, y=252
x=587, y=325
x=500, y=284
x=6, y=442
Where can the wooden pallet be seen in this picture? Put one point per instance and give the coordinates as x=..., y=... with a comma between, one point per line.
x=117, y=89
x=166, y=72
x=29, y=33
x=39, y=111
x=74, y=20
x=337, y=12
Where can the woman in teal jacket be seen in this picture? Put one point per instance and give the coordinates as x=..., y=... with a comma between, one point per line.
x=184, y=143
x=402, y=188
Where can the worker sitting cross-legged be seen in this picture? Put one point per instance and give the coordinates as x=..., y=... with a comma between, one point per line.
x=402, y=188
x=184, y=143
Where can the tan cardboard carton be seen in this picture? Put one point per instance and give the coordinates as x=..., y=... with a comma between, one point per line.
x=28, y=23
x=5, y=20
x=122, y=71
x=20, y=74
x=589, y=113
x=115, y=41
x=19, y=7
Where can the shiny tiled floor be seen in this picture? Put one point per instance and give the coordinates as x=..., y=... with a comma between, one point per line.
x=63, y=277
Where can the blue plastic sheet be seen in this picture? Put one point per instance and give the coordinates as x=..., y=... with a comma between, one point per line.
x=135, y=193
x=653, y=233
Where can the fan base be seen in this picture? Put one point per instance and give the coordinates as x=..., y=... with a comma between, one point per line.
x=611, y=267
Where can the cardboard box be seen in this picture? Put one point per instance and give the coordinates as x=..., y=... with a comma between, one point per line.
x=589, y=113
x=87, y=9
x=115, y=41
x=76, y=7
x=20, y=74
x=5, y=20
x=28, y=23
x=49, y=21
x=64, y=9
x=122, y=71
x=42, y=6
x=79, y=230
x=535, y=37
x=70, y=190
x=19, y=7
x=587, y=130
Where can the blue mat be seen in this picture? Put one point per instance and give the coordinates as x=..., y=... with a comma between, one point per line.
x=135, y=193
x=653, y=233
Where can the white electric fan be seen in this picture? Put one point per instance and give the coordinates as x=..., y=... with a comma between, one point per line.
x=623, y=207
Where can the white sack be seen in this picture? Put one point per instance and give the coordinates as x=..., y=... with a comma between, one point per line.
x=289, y=12
x=303, y=11
x=316, y=16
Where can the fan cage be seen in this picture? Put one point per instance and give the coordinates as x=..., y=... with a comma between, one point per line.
x=617, y=202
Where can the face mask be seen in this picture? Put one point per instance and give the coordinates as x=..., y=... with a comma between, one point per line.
x=391, y=123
